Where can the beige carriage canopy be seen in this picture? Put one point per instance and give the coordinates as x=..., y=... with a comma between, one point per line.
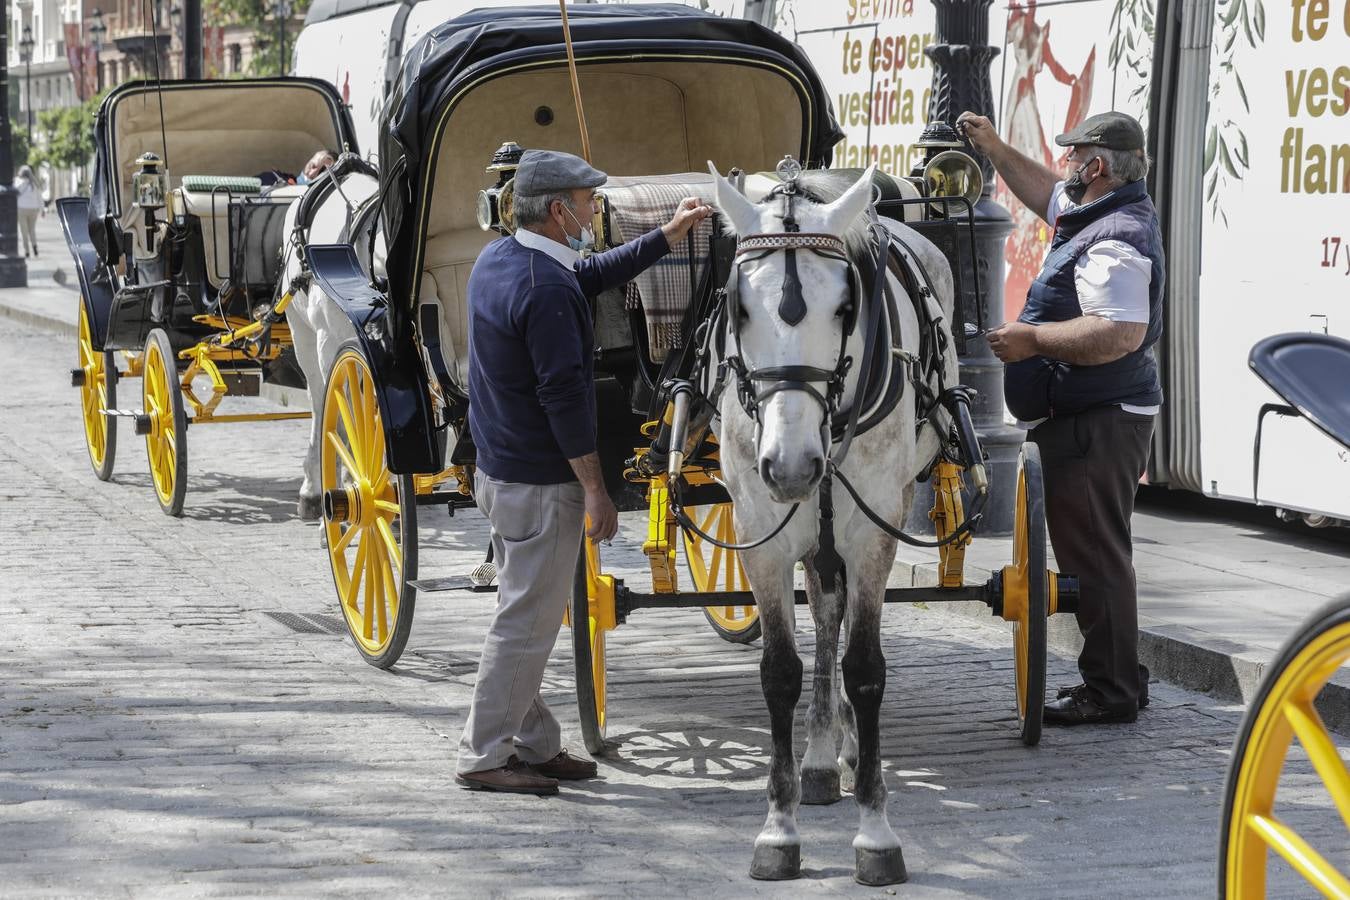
x=222, y=128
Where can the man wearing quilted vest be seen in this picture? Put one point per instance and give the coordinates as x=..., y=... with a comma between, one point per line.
x=1082, y=378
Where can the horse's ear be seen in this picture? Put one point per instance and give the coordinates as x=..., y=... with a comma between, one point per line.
x=740, y=214
x=840, y=214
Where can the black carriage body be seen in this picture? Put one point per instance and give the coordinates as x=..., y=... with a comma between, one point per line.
x=206, y=127
x=460, y=67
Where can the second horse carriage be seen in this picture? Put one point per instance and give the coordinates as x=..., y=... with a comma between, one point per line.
x=179, y=256
x=394, y=430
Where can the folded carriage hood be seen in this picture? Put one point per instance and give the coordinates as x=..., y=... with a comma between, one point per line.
x=483, y=40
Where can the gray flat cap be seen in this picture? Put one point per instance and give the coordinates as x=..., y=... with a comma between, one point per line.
x=551, y=171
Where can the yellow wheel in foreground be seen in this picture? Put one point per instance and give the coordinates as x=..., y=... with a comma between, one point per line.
x=98, y=392
x=1285, y=708
x=369, y=515
x=1026, y=597
x=166, y=439
x=713, y=569
x=591, y=611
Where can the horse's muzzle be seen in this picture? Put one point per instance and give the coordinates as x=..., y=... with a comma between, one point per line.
x=791, y=481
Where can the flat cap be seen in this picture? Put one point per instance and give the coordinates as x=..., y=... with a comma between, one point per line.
x=1112, y=130
x=550, y=171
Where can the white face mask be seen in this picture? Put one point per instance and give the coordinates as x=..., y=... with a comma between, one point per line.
x=587, y=239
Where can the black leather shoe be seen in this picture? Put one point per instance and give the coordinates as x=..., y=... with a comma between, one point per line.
x=1067, y=690
x=566, y=767
x=1079, y=708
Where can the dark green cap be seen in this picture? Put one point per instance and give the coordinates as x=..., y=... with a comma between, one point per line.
x=1112, y=130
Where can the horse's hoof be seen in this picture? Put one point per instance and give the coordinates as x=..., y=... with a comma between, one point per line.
x=309, y=508
x=878, y=867
x=773, y=863
x=820, y=787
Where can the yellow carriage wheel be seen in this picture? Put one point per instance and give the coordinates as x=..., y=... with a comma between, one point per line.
x=1285, y=708
x=592, y=604
x=166, y=422
x=369, y=515
x=98, y=392
x=1026, y=597
x=712, y=568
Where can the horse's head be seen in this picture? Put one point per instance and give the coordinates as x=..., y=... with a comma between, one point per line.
x=792, y=305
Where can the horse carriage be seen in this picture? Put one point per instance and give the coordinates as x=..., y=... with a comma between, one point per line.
x=1308, y=371
x=179, y=254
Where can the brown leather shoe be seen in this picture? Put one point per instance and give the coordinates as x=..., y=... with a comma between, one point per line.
x=566, y=767
x=513, y=778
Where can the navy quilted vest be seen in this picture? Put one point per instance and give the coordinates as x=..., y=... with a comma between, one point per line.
x=1038, y=388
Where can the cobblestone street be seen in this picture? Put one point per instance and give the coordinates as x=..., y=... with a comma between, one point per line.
x=165, y=732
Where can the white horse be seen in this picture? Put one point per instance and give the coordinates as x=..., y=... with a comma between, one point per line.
x=318, y=325
x=779, y=455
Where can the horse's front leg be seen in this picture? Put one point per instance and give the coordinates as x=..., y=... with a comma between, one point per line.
x=778, y=847
x=820, y=764
x=305, y=339
x=878, y=858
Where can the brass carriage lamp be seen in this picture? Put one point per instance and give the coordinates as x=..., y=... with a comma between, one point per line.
x=495, y=211
x=946, y=170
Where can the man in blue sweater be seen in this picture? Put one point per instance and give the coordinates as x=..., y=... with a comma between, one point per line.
x=1082, y=378
x=532, y=416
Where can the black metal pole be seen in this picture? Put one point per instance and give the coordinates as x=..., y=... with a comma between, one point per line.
x=192, y=39
x=961, y=59
x=28, y=95
x=13, y=269
x=281, y=37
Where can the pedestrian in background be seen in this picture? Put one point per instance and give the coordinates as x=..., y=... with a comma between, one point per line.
x=30, y=205
x=1082, y=377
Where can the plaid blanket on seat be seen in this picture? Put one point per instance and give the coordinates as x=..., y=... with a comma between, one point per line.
x=636, y=206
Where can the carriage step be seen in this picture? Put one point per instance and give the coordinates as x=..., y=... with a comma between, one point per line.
x=452, y=583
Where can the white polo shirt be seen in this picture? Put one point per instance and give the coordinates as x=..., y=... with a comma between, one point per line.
x=1112, y=279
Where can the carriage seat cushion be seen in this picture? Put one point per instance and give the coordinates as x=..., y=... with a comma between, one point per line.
x=449, y=322
x=234, y=184
x=637, y=204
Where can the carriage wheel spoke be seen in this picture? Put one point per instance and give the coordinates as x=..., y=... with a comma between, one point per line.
x=344, y=453
x=387, y=506
x=1299, y=854
x=345, y=414
x=358, y=569
x=390, y=588
x=391, y=545
x=1322, y=752
x=341, y=545
x=375, y=591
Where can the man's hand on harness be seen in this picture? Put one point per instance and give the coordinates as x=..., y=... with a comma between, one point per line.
x=689, y=213
x=1013, y=341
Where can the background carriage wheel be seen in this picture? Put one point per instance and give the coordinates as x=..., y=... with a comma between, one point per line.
x=588, y=650
x=166, y=439
x=369, y=515
x=98, y=391
x=713, y=569
x=1026, y=585
x=1284, y=708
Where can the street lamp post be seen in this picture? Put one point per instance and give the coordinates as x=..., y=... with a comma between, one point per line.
x=26, y=57
x=96, y=31
x=13, y=269
x=283, y=11
x=961, y=58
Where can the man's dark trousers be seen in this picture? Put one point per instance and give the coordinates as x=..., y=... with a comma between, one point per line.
x=1093, y=462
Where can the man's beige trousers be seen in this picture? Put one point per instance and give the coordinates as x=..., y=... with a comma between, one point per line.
x=536, y=535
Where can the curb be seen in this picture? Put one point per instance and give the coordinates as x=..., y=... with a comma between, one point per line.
x=1225, y=670
x=38, y=319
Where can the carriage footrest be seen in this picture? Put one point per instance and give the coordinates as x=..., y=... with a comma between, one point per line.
x=451, y=583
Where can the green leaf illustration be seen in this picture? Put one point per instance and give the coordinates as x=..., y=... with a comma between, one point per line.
x=1241, y=149
x=1242, y=91
x=1211, y=146
x=1260, y=20
x=1227, y=160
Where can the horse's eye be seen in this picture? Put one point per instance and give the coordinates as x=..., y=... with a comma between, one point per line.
x=845, y=310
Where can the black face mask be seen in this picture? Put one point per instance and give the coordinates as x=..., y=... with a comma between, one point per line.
x=1074, y=186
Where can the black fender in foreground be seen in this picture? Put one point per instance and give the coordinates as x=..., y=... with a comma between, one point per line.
x=394, y=358
x=96, y=290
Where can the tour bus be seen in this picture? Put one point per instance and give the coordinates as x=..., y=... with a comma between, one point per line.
x=1247, y=107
